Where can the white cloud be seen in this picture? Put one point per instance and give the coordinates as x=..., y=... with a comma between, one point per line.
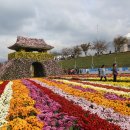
x=62, y=23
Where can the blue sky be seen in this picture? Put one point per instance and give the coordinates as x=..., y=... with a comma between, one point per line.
x=62, y=23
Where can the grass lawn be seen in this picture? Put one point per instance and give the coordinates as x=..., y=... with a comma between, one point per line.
x=123, y=60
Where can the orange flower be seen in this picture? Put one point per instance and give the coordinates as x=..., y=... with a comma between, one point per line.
x=98, y=98
x=22, y=113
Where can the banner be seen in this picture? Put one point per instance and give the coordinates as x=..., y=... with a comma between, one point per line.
x=109, y=70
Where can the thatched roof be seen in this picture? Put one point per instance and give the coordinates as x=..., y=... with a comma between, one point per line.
x=30, y=44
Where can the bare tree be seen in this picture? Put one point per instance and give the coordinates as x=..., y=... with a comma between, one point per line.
x=118, y=42
x=76, y=51
x=100, y=47
x=85, y=47
x=67, y=52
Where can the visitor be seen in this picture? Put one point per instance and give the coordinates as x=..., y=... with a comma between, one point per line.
x=103, y=73
x=99, y=70
x=115, y=73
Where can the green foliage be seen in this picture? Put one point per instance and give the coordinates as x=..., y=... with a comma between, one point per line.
x=122, y=60
x=39, y=56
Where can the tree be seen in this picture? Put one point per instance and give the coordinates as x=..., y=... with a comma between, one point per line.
x=85, y=47
x=66, y=52
x=100, y=46
x=119, y=42
x=76, y=51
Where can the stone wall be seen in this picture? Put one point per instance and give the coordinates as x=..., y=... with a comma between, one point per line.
x=20, y=68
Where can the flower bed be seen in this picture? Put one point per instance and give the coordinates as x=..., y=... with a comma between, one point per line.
x=21, y=114
x=51, y=111
x=2, y=86
x=57, y=104
x=84, y=118
x=5, y=101
x=116, y=111
x=39, y=56
x=121, y=78
x=97, y=97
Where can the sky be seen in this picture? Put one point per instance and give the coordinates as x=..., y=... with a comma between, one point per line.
x=62, y=23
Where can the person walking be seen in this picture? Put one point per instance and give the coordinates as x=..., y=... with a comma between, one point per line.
x=115, y=73
x=103, y=73
x=99, y=70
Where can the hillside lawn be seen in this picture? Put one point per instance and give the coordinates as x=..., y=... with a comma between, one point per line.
x=122, y=59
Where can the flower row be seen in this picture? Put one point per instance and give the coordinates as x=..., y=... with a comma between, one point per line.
x=5, y=102
x=76, y=96
x=103, y=85
x=69, y=106
x=2, y=86
x=60, y=104
x=98, y=98
x=21, y=114
x=99, y=88
x=123, y=82
x=51, y=112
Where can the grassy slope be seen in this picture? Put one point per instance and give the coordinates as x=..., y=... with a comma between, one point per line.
x=123, y=59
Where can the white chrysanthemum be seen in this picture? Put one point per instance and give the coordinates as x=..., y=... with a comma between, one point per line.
x=5, y=103
x=102, y=112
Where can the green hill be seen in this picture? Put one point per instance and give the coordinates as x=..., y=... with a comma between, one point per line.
x=122, y=59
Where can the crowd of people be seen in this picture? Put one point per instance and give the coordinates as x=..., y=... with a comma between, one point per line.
x=76, y=71
x=72, y=71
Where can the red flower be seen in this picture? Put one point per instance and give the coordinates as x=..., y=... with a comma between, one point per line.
x=2, y=86
x=86, y=120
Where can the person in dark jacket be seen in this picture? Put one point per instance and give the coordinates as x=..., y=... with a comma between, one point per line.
x=115, y=73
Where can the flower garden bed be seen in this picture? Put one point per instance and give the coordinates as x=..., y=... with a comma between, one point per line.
x=89, y=76
x=61, y=104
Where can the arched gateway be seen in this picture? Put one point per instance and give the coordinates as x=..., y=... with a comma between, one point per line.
x=37, y=70
x=30, y=54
